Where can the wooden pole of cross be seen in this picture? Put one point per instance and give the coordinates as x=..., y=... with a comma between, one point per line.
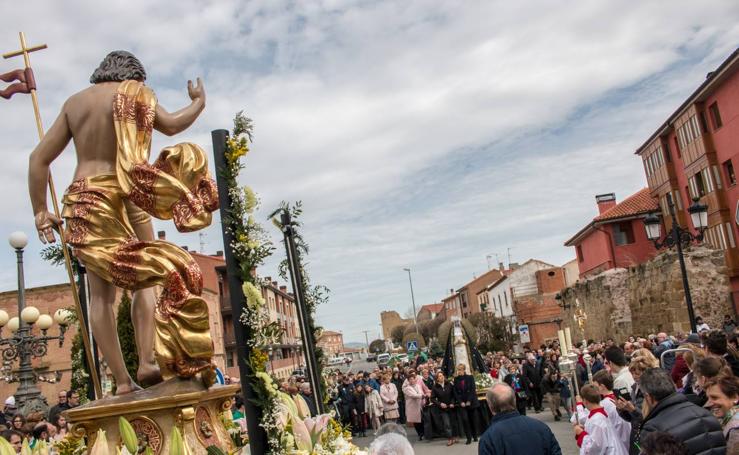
x=31, y=85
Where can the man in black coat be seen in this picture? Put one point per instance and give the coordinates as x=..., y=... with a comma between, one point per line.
x=672, y=413
x=510, y=433
x=466, y=394
x=531, y=373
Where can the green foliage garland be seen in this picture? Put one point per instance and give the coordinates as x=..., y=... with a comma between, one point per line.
x=251, y=246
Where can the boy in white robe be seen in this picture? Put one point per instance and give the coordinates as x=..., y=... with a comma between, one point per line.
x=598, y=436
x=603, y=380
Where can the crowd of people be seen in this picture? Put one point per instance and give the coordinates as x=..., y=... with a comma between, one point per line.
x=35, y=427
x=652, y=395
x=418, y=394
x=649, y=395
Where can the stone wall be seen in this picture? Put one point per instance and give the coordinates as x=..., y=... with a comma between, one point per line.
x=649, y=298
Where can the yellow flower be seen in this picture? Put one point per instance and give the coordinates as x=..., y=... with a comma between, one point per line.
x=253, y=295
x=250, y=199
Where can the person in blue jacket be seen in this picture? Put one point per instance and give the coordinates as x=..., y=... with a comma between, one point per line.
x=511, y=433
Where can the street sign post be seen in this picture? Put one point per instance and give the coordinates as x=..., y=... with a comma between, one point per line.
x=523, y=333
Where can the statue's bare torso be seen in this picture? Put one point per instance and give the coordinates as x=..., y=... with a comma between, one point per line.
x=89, y=115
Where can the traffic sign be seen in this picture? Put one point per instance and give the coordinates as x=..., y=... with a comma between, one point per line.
x=523, y=333
x=412, y=346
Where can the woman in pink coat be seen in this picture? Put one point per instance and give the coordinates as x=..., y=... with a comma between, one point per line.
x=415, y=392
x=389, y=395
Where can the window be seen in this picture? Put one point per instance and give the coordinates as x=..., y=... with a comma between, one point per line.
x=715, y=116
x=578, y=250
x=729, y=171
x=688, y=132
x=700, y=185
x=677, y=147
x=623, y=233
x=229, y=359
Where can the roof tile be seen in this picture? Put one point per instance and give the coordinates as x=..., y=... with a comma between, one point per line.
x=638, y=203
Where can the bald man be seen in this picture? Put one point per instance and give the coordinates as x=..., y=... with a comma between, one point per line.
x=511, y=433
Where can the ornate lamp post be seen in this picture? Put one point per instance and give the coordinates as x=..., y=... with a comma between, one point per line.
x=23, y=344
x=680, y=238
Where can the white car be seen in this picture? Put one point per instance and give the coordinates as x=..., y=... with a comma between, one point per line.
x=383, y=359
x=334, y=361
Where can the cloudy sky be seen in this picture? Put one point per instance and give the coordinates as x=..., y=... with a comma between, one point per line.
x=417, y=133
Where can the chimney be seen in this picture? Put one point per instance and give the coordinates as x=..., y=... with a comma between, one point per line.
x=274, y=283
x=184, y=247
x=219, y=253
x=283, y=289
x=513, y=265
x=501, y=266
x=161, y=235
x=268, y=279
x=605, y=202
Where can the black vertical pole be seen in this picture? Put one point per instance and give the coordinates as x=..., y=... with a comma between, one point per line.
x=82, y=290
x=679, y=243
x=296, y=276
x=257, y=435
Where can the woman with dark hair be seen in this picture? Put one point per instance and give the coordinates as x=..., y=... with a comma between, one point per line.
x=18, y=422
x=442, y=396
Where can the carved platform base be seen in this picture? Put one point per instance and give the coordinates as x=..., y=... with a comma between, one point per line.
x=187, y=404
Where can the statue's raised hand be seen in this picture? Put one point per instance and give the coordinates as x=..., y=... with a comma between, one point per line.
x=196, y=91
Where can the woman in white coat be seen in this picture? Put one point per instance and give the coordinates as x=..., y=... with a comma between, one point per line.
x=373, y=406
x=389, y=395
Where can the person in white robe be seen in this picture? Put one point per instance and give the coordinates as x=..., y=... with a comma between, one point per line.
x=597, y=436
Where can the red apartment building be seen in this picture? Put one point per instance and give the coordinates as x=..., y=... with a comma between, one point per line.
x=693, y=155
x=617, y=236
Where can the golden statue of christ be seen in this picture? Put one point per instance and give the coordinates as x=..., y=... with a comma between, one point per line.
x=107, y=222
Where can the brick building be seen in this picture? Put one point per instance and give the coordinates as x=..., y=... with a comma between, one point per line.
x=430, y=312
x=332, y=343
x=451, y=305
x=48, y=299
x=539, y=308
x=467, y=294
x=616, y=237
x=286, y=355
x=692, y=155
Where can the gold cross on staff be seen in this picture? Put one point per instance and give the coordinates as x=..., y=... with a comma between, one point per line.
x=25, y=51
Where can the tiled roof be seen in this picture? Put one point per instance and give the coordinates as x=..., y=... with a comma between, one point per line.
x=433, y=308
x=638, y=203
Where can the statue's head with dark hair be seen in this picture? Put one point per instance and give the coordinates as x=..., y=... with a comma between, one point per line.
x=119, y=66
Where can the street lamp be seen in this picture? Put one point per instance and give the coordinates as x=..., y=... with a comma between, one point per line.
x=23, y=344
x=413, y=299
x=271, y=365
x=679, y=238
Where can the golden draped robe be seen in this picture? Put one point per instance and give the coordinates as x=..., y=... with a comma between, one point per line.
x=99, y=211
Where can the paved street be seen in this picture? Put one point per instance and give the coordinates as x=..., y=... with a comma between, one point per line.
x=562, y=430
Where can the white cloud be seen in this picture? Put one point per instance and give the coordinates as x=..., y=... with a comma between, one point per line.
x=406, y=127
